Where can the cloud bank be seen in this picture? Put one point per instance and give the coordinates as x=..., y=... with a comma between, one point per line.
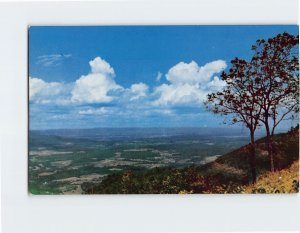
x=98, y=93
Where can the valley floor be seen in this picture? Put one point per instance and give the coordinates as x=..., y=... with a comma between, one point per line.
x=161, y=166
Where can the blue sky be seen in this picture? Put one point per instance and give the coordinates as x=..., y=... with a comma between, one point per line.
x=132, y=76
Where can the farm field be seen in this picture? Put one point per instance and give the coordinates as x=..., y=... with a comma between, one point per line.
x=61, y=161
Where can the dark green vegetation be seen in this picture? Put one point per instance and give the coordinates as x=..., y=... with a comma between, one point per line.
x=227, y=174
x=65, y=164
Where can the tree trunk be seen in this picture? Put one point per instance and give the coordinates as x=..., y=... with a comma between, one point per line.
x=269, y=146
x=252, y=158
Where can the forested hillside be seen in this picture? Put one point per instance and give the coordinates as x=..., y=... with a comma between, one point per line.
x=227, y=174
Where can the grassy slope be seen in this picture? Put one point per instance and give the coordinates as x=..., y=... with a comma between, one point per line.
x=283, y=181
x=286, y=151
x=228, y=174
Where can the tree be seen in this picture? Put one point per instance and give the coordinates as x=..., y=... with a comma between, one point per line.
x=239, y=99
x=277, y=72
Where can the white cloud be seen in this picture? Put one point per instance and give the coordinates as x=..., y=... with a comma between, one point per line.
x=138, y=90
x=35, y=86
x=178, y=94
x=192, y=73
x=216, y=84
x=94, y=111
x=52, y=59
x=47, y=92
x=189, y=83
x=159, y=111
x=99, y=65
x=159, y=76
x=96, y=86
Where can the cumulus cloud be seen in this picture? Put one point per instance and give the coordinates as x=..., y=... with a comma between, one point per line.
x=192, y=73
x=170, y=94
x=189, y=83
x=138, y=90
x=42, y=92
x=35, y=86
x=96, y=86
x=216, y=84
x=99, y=65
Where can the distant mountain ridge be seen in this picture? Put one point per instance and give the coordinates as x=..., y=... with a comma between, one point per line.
x=136, y=133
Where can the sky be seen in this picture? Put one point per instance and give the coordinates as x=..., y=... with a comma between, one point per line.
x=132, y=76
